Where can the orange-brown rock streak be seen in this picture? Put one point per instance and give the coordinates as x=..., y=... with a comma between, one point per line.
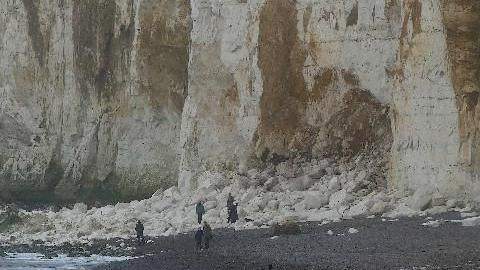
x=462, y=23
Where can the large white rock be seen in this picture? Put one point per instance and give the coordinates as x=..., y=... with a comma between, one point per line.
x=421, y=199
x=378, y=208
x=361, y=208
x=272, y=205
x=452, y=203
x=301, y=183
x=315, y=200
x=80, y=208
x=210, y=205
x=334, y=184
x=438, y=199
x=340, y=198
x=271, y=183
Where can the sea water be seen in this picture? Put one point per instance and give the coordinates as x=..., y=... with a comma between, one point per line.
x=30, y=261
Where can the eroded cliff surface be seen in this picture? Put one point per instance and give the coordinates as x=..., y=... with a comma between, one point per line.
x=120, y=98
x=333, y=78
x=92, y=94
x=312, y=77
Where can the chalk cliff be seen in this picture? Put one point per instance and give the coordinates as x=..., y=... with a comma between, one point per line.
x=115, y=99
x=92, y=94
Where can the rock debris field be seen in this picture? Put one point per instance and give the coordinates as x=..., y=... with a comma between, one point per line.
x=316, y=190
x=348, y=219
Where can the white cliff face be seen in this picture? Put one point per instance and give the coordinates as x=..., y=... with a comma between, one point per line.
x=312, y=66
x=120, y=98
x=87, y=110
x=266, y=79
x=224, y=88
x=426, y=150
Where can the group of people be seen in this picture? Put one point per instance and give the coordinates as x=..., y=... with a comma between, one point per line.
x=203, y=234
x=231, y=208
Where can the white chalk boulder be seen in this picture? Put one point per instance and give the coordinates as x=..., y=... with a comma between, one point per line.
x=340, y=198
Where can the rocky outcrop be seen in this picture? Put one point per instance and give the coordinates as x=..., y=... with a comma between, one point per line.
x=119, y=98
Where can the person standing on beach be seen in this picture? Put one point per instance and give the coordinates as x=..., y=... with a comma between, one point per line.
x=200, y=211
x=139, y=229
x=198, y=239
x=207, y=234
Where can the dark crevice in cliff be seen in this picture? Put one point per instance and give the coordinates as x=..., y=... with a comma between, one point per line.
x=93, y=26
x=352, y=18
x=34, y=31
x=163, y=53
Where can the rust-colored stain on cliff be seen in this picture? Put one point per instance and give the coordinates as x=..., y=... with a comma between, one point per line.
x=163, y=52
x=462, y=22
x=392, y=10
x=283, y=127
x=412, y=15
x=38, y=39
x=362, y=121
x=281, y=60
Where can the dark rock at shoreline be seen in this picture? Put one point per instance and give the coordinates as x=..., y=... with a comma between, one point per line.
x=286, y=228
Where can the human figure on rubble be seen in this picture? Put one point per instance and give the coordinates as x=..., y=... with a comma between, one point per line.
x=198, y=238
x=207, y=234
x=200, y=211
x=139, y=229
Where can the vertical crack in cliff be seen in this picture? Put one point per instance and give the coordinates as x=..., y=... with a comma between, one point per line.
x=411, y=18
x=34, y=31
x=93, y=33
x=462, y=23
x=352, y=18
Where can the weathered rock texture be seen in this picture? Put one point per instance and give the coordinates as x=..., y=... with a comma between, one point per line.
x=119, y=98
x=92, y=94
x=334, y=78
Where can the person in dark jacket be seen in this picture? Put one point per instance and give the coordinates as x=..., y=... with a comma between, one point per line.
x=207, y=234
x=139, y=229
x=198, y=239
x=200, y=211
